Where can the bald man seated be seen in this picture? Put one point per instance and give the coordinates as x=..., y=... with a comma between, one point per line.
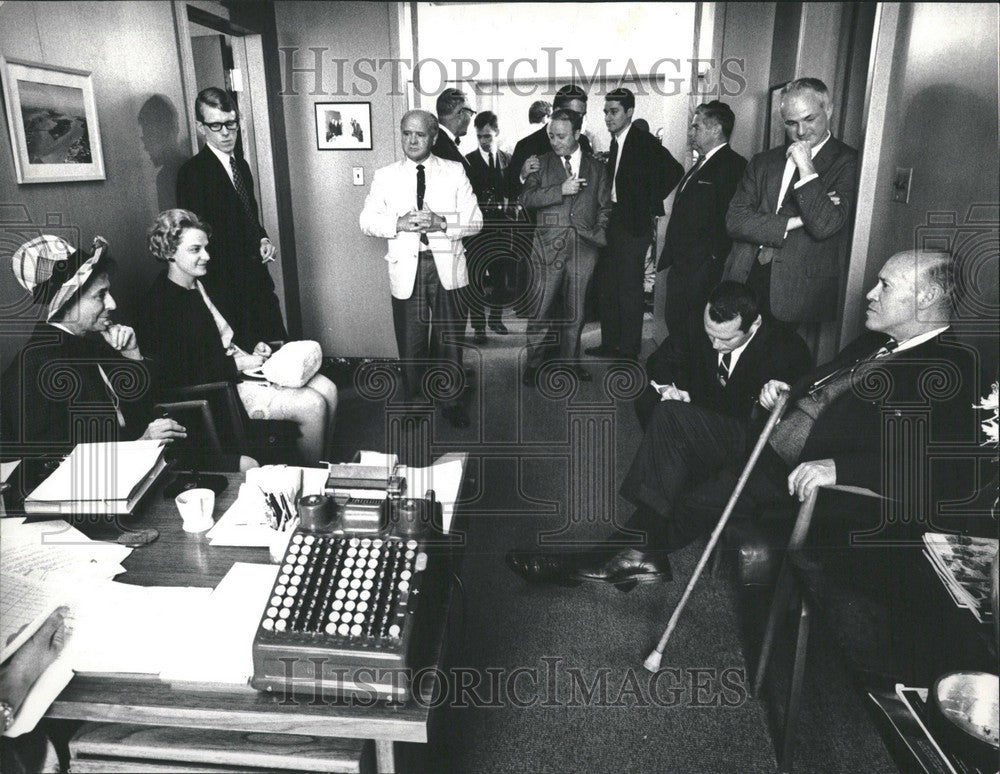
x=857, y=420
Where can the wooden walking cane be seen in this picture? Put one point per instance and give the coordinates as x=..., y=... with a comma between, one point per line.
x=652, y=662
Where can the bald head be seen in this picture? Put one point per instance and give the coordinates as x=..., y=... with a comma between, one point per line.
x=914, y=294
x=418, y=130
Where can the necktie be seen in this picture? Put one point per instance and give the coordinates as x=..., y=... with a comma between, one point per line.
x=690, y=173
x=885, y=349
x=241, y=190
x=421, y=190
x=569, y=167
x=787, y=198
x=613, y=156
x=723, y=371
x=492, y=164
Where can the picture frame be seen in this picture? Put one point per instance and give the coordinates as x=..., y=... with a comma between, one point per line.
x=774, y=128
x=52, y=118
x=343, y=126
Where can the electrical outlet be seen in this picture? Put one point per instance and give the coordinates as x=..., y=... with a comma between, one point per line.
x=359, y=175
x=901, y=184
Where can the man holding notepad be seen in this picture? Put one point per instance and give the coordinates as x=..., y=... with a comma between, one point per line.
x=80, y=378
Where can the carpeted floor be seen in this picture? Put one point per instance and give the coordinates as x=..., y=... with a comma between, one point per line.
x=553, y=678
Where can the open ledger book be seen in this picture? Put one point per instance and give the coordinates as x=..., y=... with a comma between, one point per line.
x=99, y=478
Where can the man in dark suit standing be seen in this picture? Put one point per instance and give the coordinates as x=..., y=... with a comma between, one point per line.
x=569, y=195
x=642, y=173
x=488, y=251
x=217, y=186
x=845, y=424
x=697, y=244
x=454, y=115
x=524, y=159
x=790, y=217
x=722, y=358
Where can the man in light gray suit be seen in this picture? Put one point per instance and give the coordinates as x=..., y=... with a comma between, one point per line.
x=570, y=195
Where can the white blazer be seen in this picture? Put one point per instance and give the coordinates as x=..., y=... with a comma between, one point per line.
x=448, y=194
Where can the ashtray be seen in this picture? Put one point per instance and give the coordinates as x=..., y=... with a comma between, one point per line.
x=965, y=713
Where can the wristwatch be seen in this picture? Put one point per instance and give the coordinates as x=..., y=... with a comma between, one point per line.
x=6, y=716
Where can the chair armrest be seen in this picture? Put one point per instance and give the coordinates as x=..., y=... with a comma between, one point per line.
x=228, y=408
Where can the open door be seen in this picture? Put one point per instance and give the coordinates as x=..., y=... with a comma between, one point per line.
x=215, y=51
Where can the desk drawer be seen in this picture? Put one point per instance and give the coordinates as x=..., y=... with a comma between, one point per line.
x=112, y=747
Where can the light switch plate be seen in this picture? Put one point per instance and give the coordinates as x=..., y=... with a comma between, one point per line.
x=901, y=184
x=359, y=175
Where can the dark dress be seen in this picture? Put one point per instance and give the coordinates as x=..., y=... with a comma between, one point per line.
x=177, y=331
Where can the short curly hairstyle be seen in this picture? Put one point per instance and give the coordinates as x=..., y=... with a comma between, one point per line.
x=165, y=234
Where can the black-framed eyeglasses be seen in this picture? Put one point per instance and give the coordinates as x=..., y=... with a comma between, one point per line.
x=216, y=126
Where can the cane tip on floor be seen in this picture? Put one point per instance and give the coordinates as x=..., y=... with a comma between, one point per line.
x=652, y=662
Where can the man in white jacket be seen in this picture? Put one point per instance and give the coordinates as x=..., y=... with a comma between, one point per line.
x=423, y=206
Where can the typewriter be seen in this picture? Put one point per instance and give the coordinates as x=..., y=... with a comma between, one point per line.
x=361, y=583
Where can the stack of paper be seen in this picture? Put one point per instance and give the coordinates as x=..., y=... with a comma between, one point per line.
x=218, y=644
x=963, y=565
x=99, y=478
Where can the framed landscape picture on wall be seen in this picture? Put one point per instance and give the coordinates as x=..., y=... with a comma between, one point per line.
x=343, y=126
x=52, y=117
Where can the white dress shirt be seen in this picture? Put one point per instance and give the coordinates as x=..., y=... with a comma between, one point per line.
x=448, y=194
x=915, y=341
x=620, y=137
x=224, y=159
x=786, y=178
x=574, y=160
x=734, y=355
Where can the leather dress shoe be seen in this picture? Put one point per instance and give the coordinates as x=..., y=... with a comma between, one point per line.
x=600, y=351
x=540, y=567
x=530, y=376
x=497, y=326
x=625, y=570
x=456, y=415
x=480, y=337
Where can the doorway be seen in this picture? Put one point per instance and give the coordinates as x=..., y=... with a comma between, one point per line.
x=216, y=51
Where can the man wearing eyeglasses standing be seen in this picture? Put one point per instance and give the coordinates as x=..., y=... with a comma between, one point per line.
x=217, y=185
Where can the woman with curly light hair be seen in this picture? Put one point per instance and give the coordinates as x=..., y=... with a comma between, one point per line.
x=194, y=344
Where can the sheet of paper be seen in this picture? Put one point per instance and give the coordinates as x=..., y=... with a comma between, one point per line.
x=444, y=476
x=6, y=469
x=120, y=628
x=219, y=648
x=24, y=605
x=39, y=548
x=379, y=460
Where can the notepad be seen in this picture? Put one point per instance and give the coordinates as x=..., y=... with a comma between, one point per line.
x=99, y=478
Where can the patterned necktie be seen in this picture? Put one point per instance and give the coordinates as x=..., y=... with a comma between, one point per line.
x=241, y=191
x=690, y=174
x=569, y=167
x=613, y=156
x=723, y=370
x=421, y=190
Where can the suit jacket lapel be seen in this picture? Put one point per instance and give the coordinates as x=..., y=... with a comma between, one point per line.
x=825, y=157
x=775, y=171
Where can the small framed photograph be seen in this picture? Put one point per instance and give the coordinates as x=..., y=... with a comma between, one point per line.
x=774, y=126
x=343, y=126
x=52, y=117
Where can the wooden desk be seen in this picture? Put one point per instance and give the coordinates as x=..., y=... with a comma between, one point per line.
x=178, y=558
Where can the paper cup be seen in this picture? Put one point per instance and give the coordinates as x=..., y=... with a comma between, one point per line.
x=196, y=506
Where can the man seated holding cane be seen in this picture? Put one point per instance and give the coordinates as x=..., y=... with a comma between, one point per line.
x=834, y=431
